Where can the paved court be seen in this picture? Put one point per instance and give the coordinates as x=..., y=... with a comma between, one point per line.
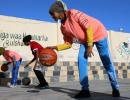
x=100, y=90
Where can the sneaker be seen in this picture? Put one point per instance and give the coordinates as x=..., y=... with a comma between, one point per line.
x=116, y=93
x=42, y=86
x=11, y=85
x=83, y=94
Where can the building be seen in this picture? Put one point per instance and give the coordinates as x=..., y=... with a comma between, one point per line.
x=13, y=29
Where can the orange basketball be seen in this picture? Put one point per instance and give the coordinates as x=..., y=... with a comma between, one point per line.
x=4, y=67
x=47, y=57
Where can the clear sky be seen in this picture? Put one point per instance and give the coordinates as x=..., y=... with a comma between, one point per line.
x=114, y=14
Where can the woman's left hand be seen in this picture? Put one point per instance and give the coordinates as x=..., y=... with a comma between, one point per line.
x=89, y=51
x=14, y=65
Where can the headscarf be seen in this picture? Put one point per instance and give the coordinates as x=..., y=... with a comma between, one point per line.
x=57, y=6
x=27, y=38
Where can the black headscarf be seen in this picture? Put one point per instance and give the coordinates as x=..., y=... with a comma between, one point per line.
x=27, y=38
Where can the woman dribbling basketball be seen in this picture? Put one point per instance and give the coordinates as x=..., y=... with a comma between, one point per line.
x=15, y=59
x=88, y=31
x=35, y=48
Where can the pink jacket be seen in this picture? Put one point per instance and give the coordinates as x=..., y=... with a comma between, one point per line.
x=76, y=25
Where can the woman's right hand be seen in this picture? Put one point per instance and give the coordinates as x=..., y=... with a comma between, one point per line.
x=26, y=65
x=89, y=52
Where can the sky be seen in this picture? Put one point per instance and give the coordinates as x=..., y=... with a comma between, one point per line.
x=114, y=14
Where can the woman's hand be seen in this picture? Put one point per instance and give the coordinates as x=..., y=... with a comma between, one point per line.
x=89, y=51
x=26, y=65
x=52, y=47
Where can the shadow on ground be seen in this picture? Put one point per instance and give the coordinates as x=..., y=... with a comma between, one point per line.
x=94, y=95
x=72, y=92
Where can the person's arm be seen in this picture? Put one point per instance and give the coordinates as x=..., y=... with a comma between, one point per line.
x=8, y=63
x=61, y=47
x=89, y=42
x=89, y=36
x=30, y=62
x=66, y=45
x=34, y=58
x=83, y=21
x=13, y=58
x=14, y=61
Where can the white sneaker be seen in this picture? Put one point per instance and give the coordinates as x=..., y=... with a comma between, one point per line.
x=11, y=85
x=38, y=68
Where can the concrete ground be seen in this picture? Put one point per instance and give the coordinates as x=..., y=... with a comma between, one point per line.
x=100, y=90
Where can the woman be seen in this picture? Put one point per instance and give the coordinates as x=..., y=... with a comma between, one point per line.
x=15, y=59
x=35, y=48
x=89, y=31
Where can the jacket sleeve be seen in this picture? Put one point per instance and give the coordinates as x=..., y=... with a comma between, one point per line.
x=66, y=45
x=89, y=36
x=83, y=21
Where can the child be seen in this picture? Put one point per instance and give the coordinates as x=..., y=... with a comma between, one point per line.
x=35, y=48
x=89, y=31
x=14, y=59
